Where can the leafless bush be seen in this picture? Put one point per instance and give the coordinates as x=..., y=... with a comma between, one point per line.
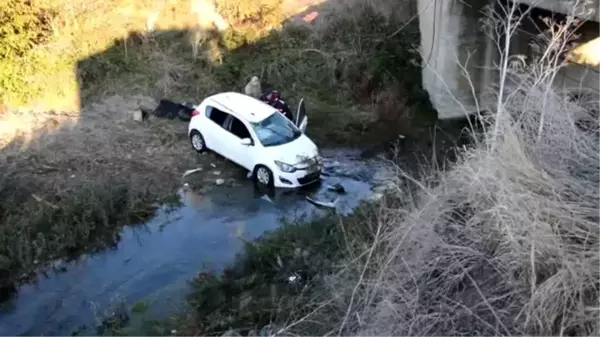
x=508, y=240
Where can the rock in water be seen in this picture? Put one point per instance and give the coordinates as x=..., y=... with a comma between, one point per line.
x=376, y=196
x=337, y=188
x=192, y=171
x=220, y=181
x=331, y=204
x=137, y=115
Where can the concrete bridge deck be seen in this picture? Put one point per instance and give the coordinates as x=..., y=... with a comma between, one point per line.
x=453, y=44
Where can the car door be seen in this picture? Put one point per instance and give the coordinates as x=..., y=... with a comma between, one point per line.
x=215, y=131
x=301, y=117
x=238, y=152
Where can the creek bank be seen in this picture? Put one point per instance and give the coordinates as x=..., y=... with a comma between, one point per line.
x=154, y=262
x=276, y=279
x=280, y=278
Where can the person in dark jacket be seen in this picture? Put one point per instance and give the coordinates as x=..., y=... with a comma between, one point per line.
x=270, y=96
x=273, y=98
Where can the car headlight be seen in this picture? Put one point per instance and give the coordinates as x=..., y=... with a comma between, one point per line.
x=285, y=167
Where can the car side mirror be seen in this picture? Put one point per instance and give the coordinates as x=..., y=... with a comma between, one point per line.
x=246, y=141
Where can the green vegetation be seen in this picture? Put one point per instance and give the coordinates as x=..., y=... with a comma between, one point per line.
x=139, y=307
x=79, y=218
x=354, y=69
x=341, y=70
x=277, y=280
x=23, y=27
x=71, y=191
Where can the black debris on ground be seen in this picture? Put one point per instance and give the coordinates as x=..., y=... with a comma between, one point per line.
x=337, y=188
x=171, y=110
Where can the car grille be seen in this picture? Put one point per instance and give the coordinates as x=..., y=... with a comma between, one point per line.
x=312, y=165
x=309, y=178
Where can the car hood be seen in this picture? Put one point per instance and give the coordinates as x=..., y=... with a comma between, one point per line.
x=293, y=152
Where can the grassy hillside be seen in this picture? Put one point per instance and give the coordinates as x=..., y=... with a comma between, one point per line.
x=70, y=53
x=44, y=40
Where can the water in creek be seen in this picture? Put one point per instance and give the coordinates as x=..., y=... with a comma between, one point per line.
x=154, y=262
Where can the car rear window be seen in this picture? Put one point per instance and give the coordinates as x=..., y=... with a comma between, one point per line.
x=216, y=115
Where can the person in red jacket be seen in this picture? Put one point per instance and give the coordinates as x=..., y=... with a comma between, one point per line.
x=273, y=98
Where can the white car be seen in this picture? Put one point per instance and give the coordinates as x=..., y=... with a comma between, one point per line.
x=258, y=137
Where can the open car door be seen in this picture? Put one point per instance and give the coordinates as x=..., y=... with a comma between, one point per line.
x=301, y=118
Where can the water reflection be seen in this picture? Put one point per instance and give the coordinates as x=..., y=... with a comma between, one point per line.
x=154, y=262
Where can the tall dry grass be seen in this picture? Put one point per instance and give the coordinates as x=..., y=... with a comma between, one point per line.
x=506, y=242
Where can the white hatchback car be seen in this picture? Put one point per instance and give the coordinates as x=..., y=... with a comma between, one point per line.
x=258, y=137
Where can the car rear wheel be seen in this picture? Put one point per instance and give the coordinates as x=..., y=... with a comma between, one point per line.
x=197, y=141
x=263, y=175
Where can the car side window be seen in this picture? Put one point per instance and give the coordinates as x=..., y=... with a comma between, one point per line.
x=238, y=128
x=216, y=115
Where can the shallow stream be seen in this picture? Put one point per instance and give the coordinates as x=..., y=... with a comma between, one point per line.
x=153, y=263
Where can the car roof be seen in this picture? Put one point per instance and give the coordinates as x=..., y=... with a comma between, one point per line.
x=244, y=106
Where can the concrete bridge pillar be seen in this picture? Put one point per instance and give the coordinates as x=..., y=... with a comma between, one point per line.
x=457, y=55
x=455, y=51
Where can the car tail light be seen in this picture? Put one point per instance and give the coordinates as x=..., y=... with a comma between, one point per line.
x=195, y=113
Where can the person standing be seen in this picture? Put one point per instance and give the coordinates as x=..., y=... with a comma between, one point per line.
x=253, y=88
x=273, y=98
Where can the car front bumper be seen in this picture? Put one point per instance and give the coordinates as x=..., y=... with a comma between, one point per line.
x=296, y=179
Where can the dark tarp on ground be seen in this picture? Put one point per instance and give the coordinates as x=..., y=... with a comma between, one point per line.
x=169, y=109
x=185, y=113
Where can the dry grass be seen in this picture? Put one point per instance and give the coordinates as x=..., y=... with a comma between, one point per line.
x=46, y=77
x=73, y=186
x=104, y=133
x=104, y=142
x=506, y=242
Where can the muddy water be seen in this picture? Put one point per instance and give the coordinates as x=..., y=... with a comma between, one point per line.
x=153, y=263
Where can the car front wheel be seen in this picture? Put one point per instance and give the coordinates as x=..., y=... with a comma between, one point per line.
x=197, y=141
x=263, y=175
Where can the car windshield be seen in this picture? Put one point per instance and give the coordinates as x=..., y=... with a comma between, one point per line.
x=276, y=130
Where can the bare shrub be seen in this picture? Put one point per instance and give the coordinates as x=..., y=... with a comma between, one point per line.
x=393, y=111
x=508, y=240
